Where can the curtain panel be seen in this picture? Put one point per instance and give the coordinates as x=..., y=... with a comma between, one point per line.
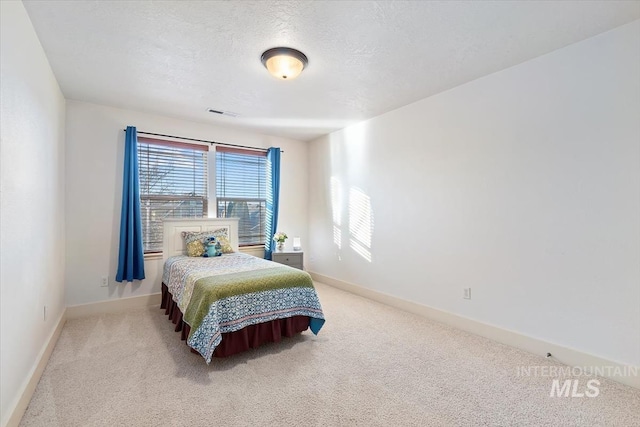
x=131, y=254
x=273, y=197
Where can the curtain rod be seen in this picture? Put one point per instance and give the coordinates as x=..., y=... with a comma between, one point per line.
x=204, y=140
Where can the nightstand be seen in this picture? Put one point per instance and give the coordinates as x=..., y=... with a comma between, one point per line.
x=293, y=259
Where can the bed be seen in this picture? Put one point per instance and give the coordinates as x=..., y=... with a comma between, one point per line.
x=228, y=304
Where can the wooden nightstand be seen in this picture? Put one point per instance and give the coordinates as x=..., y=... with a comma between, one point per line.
x=293, y=259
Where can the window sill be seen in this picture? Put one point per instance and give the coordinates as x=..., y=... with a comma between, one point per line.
x=153, y=256
x=250, y=247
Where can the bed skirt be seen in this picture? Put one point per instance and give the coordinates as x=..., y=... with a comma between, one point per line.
x=251, y=336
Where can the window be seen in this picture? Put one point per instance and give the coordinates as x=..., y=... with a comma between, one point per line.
x=173, y=184
x=241, y=191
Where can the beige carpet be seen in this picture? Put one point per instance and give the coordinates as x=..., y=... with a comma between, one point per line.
x=371, y=365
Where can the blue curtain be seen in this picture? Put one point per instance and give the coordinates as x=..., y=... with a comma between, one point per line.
x=131, y=256
x=273, y=196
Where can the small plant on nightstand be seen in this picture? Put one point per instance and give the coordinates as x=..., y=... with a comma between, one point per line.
x=279, y=238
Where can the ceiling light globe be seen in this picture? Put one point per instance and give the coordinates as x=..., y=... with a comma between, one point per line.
x=284, y=63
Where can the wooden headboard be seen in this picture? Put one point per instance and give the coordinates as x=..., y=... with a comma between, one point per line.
x=173, y=243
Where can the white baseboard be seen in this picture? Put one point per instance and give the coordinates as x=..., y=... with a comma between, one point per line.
x=113, y=306
x=565, y=355
x=34, y=377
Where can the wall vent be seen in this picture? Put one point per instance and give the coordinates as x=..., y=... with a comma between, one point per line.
x=223, y=113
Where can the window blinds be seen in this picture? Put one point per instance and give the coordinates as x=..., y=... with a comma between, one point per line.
x=173, y=184
x=241, y=191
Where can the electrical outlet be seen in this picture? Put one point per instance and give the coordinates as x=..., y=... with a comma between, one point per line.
x=105, y=281
x=467, y=293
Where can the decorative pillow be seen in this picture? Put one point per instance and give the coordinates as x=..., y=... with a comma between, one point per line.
x=194, y=241
x=226, y=246
x=195, y=248
x=220, y=232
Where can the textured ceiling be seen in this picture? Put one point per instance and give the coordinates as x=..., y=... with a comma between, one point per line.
x=179, y=58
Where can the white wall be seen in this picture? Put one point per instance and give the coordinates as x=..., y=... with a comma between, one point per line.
x=523, y=185
x=94, y=158
x=32, y=203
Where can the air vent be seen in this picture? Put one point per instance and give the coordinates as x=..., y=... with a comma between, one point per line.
x=223, y=113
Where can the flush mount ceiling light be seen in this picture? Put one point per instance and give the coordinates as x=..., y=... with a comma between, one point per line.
x=284, y=63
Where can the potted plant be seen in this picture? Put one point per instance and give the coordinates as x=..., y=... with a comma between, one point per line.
x=280, y=237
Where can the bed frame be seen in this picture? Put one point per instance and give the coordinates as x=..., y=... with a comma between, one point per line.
x=173, y=243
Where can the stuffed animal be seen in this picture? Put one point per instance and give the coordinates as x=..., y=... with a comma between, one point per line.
x=212, y=247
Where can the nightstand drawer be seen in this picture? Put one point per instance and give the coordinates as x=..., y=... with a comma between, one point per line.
x=298, y=266
x=288, y=259
x=292, y=259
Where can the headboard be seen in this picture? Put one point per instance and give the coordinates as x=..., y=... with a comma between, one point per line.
x=173, y=243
